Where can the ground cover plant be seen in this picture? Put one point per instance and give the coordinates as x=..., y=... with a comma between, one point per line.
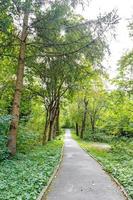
x=24, y=176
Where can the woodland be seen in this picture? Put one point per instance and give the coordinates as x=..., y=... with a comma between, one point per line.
x=51, y=78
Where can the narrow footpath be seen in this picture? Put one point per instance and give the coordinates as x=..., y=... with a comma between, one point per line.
x=80, y=177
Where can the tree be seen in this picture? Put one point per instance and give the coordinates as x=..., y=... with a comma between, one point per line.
x=91, y=97
x=19, y=81
x=85, y=101
x=61, y=49
x=125, y=75
x=59, y=67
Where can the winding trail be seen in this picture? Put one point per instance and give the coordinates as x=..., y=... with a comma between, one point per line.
x=81, y=178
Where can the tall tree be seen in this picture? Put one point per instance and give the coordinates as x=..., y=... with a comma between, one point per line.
x=85, y=102
x=19, y=81
x=55, y=48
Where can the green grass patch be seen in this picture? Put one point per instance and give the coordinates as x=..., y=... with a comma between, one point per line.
x=117, y=160
x=24, y=176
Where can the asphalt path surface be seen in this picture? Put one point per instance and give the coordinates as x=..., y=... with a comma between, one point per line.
x=80, y=177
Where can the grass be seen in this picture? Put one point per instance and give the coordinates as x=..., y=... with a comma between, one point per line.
x=117, y=160
x=24, y=176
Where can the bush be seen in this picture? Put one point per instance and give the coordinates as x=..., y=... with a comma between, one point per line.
x=4, y=123
x=27, y=140
x=98, y=137
x=4, y=127
x=4, y=152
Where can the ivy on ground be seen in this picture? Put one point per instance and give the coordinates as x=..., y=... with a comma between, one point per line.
x=23, y=177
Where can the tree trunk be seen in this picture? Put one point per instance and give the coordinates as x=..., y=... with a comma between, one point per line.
x=77, y=129
x=52, y=123
x=84, y=119
x=51, y=130
x=54, y=117
x=57, y=125
x=93, y=126
x=45, y=134
x=18, y=90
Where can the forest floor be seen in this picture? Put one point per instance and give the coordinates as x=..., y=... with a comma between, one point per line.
x=24, y=176
x=80, y=177
x=115, y=155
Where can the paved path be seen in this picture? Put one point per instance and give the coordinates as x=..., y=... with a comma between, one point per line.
x=81, y=177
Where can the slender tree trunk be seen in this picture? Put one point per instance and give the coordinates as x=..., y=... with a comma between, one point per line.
x=45, y=134
x=56, y=120
x=48, y=129
x=54, y=131
x=51, y=129
x=57, y=125
x=77, y=129
x=54, y=117
x=51, y=126
x=84, y=119
x=93, y=125
x=18, y=89
x=52, y=123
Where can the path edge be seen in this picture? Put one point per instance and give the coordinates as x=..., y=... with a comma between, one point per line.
x=122, y=189
x=45, y=188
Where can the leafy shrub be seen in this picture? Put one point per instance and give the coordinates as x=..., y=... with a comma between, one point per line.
x=27, y=140
x=4, y=126
x=4, y=152
x=98, y=137
x=4, y=123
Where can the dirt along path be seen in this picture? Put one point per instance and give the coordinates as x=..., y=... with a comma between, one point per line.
x=80, y=177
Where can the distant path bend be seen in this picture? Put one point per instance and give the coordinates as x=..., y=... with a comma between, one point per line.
x=81, y=178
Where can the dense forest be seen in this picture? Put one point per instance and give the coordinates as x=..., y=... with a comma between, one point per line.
x=52, y=77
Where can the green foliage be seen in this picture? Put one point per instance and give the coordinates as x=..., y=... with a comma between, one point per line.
x=66, y=115
x=27, y=140
x=4, y=152
x=4, y=127
x=117, y=118
x=98, y=137
x=108, y=112
x=24, y=176
x=4, y=123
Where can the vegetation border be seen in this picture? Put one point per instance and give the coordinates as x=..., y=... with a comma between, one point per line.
x=45, y=189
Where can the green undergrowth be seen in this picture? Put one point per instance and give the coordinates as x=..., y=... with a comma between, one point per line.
x=24, y=176
x=117, y=160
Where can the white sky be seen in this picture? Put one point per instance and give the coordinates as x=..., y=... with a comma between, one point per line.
x=123, y=42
